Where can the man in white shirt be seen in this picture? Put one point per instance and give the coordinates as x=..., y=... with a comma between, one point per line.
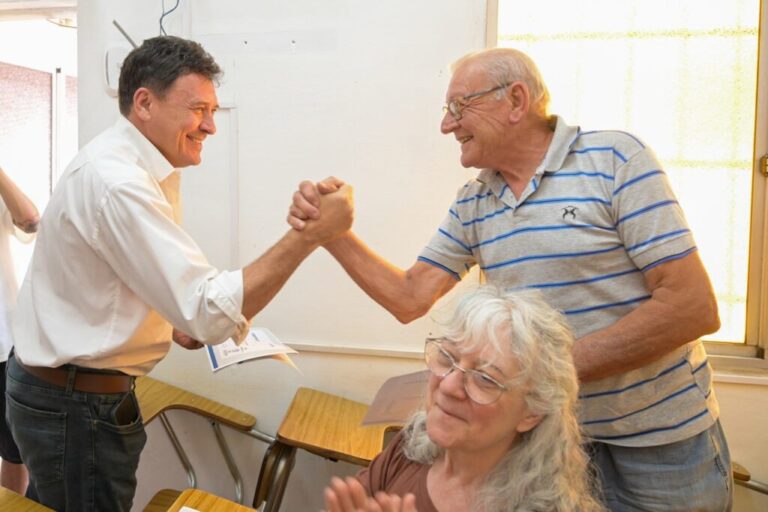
x=18, y=217
x=113, y=274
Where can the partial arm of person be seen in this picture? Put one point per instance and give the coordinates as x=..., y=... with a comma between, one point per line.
x=407, y=294
x=263, y=278
x=135, y=233
x=23, y=211
x=681, y=309
x=185, y=340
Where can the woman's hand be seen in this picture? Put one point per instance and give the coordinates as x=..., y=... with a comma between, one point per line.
x=349, y=496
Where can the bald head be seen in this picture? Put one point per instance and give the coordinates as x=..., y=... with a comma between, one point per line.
x=507, y=65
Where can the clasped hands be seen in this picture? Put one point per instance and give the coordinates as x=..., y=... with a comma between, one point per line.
x=327, y=196
x=348, y=495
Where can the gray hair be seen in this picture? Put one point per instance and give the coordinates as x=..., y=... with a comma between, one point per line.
x=547, y=469
x=507, y=65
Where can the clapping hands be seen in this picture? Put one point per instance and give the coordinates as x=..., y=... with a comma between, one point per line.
x=348, y=495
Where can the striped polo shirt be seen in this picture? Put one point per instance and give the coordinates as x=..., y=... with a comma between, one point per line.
x=597, y=213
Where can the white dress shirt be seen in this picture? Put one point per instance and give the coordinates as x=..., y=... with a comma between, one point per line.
x=112, y=268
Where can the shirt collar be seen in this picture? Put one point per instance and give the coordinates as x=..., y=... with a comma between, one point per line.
x=560, y=146
x=149, y=157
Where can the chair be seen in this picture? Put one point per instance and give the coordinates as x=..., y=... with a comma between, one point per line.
x=323, y=424
x=156, y=397
x=9, y=500
x=742, y=477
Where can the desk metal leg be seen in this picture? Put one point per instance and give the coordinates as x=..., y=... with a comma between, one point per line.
x=179, y=451
x=261, y=436
x=271, y=455
x=753, y=485
x=283, y=465
x=227, y=454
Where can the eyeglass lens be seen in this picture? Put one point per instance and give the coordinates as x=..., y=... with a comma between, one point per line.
x=480, y=387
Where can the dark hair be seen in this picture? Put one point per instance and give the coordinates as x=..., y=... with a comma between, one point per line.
x=158, y=62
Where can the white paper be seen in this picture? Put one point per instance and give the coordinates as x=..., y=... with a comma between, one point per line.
x=259, y=343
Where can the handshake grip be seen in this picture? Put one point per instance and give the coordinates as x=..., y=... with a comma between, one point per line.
x=336, y=216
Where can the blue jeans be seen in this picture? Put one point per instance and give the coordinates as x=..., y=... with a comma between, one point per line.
x=690, y=475
x=79, y=458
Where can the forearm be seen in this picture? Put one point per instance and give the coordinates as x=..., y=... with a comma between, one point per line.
x=661, y=324
x=264, y=277
x=407, y=295
x=22, y=210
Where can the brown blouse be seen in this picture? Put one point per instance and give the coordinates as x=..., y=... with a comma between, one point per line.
x=393, y=473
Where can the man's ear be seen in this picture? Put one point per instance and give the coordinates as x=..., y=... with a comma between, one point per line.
x=142, y=103
x=520, y=101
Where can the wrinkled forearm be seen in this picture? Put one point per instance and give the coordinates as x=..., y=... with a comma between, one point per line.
x=670, y=318
x=406, y=294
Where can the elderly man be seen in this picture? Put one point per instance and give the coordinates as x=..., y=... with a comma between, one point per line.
x=589, y=218
x=113, y=271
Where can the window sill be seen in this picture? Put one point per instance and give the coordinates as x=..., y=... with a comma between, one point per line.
x=740, y=370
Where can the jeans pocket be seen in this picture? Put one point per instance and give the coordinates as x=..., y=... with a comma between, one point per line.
x=41, y=437
x=118, y=415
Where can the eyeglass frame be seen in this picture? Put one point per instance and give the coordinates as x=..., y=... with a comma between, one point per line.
x=455, y=366
x=456, y=105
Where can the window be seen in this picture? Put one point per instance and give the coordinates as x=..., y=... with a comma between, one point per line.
x=38, y=98
x=686, y=83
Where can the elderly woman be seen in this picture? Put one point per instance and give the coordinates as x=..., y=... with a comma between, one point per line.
x=499, y=431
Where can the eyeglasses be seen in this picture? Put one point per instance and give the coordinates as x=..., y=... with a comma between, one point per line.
x=481, y=388
x=456, y=106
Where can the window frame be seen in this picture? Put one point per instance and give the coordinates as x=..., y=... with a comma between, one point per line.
x=751, y=353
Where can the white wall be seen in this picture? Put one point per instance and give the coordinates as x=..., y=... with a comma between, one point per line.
x=356, y=94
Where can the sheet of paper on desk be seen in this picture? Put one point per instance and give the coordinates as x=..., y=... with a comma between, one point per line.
x=188, y=509
x=397, y=399
x=259, y=343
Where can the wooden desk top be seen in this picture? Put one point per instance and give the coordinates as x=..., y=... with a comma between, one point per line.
x=205, y=502
x=156, y=396
x=329, y=425
x=9, y=500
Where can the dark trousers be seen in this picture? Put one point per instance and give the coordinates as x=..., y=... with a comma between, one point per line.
x=79, y=457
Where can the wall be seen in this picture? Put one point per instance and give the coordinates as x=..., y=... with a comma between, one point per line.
x=358, y=95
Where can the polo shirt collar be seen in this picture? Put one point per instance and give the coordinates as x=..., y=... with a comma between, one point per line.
x=559, y=147
x=149, y=157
